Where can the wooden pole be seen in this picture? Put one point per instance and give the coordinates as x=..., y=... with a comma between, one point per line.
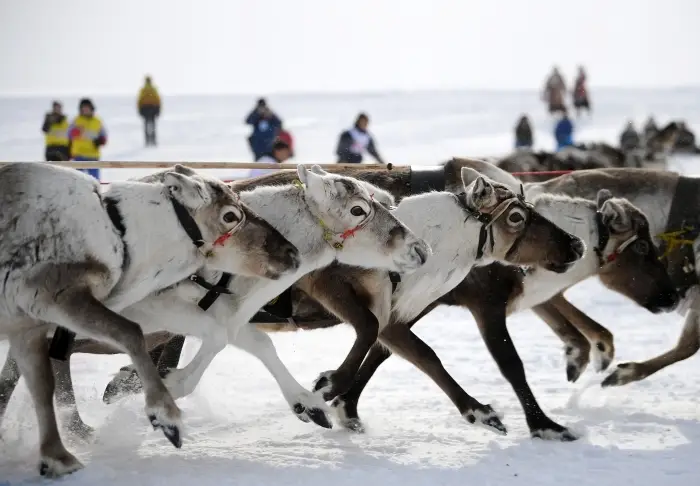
x=104, y=164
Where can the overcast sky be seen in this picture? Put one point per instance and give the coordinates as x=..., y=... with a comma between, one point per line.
x=89, y=47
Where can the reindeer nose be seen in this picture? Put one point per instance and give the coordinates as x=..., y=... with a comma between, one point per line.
x=420, y=252
x=578, y=247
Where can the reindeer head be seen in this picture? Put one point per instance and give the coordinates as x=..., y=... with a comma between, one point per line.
x=629, y=261
x=515, y=232
x=234, y=238
x=360, y=228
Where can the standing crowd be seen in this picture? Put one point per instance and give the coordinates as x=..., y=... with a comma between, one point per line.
x=554, y=95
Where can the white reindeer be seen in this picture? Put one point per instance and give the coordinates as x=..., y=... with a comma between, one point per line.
x=72, y=256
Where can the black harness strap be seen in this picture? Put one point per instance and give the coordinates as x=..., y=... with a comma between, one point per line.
x=680, y=263
x=603, y=237
x=63, y=339
x=427, y=178
x=214, y=291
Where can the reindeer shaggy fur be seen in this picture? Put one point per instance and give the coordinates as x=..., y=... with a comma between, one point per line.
x=73, y=256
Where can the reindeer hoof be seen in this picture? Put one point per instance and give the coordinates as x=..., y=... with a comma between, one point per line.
x=126, y=382
x=171, y=431
x=60, y=466
x=315, y=415
x=576, y=362
x=326, y=384
x=602, y=356
x=624, y=373
x=554, y=432
x=487, y=417
x=573, y=373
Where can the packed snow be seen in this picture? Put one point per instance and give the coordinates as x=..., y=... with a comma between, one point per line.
x=239, y=429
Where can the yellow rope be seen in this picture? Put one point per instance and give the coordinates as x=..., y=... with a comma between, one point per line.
x=674, y=240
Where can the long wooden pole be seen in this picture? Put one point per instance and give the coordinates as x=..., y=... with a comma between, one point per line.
x=104, y=164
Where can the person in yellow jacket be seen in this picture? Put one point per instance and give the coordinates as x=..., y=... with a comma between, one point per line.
x=55, y=128
x=149, y=109
x=86, y=135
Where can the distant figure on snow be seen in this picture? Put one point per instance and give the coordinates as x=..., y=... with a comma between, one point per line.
x=564, y=131
x=266, y=126
x=580, y=94
x=554, y=92
x=149, y=109
x=650, y=129
x=354, y=142
x=286, y=137
x=685, y=140
x=87, y=134
x=523, y=133
x=55, y=128
x=629, y=138
x=280, y=152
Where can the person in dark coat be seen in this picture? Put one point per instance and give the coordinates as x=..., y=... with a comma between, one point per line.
x=629, y=138
x=564, y=132
x=353, y=143
x=55, y=130
x=523, y=133
x=266, y=126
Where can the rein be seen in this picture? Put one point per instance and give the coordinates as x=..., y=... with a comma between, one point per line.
x=488, y=218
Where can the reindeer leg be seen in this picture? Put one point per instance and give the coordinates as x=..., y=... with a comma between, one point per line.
x=9, y=377
x=65, y=398
x=491, y=319
x=576, y=347
x=305, y=404
x=688, y=344
x=600, y=338
x=126, y=381
x=32, y=355
x=402, y=341
x=79, y=311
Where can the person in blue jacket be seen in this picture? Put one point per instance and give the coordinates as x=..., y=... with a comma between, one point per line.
x=266, y=126
x=564, y=132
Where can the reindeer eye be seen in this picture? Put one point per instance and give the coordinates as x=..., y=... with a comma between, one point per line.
x=641, y=247
x=516, y=217
x=357, y=211
x=229, y=217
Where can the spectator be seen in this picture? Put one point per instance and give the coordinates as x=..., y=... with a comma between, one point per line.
x=563, y=131
x=580, y=94
x=87, y=134
x=280, y=152
x=355, y=141
x=554, y=91
x=149, y=109
x=685, y=140
x=266, y=126
x=523, y=133
x=629, y=139
x=286, y=137
x=56, y=129
x=650, y=129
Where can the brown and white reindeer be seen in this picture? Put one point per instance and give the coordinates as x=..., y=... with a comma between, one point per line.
x=74, y=256
x=504, y=228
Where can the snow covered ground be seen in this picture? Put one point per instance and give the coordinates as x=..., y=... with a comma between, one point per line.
x=239, y=430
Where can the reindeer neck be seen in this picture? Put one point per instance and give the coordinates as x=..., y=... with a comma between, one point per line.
x=287, y=210
x=158, y=251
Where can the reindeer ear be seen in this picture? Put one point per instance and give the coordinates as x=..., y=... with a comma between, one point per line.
x=316, y=169
x=481, y=193
x=302, y=172
x=469, y=175
x=615, y=217
x=182, y=169
x=603, y=196
x=186, y=190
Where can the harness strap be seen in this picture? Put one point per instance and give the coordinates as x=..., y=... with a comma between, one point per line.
x=188, y=223
x=214, y=291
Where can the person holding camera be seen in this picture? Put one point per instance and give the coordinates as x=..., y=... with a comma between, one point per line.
x=55, y=130
x=266, y=126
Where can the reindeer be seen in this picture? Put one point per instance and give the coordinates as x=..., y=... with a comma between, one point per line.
x=74, y=256
x=328, y=218
x=507, y=230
